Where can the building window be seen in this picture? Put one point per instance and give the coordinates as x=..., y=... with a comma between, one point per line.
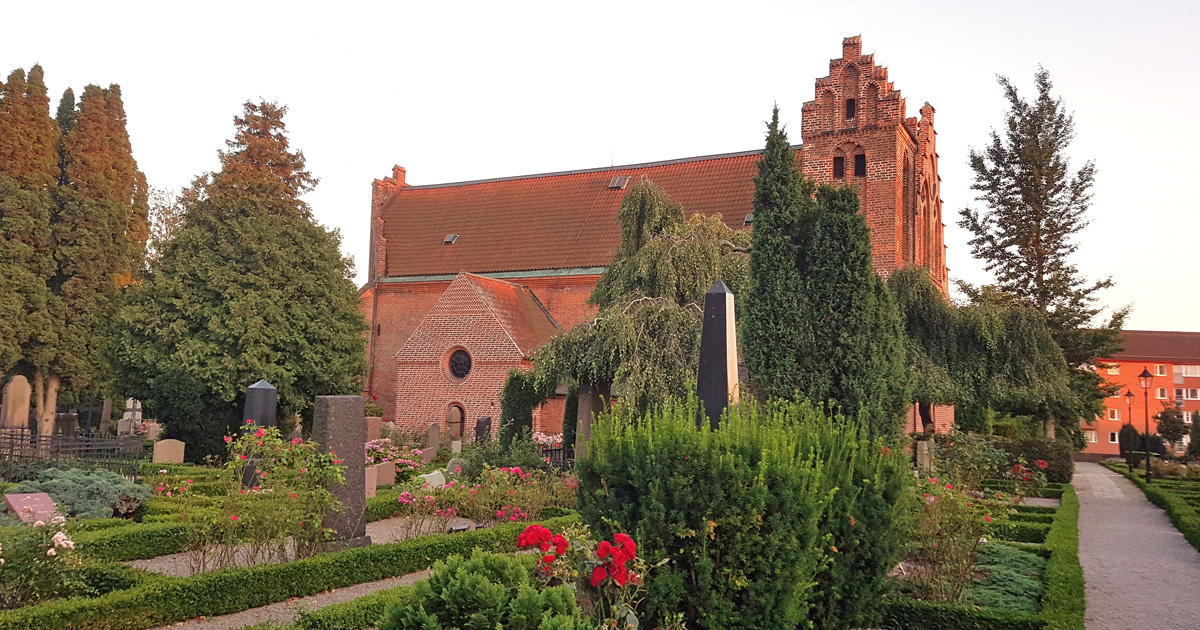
x=839, y=167
x=1162, y=393
x=1114, y=414
x=860, y=165
x=1112, y=437
x=1193, y=394
x=850, y=107
x=1092, y=436
x=1187, y=417
x=1190, y=370
x=460, y=363
x=1114, y=370
x=1160, y=369
x=1180, y=393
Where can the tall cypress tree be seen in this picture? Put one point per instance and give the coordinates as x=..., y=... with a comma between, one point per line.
x=249, y=288
x=1035, y=205
x=771, y=321
x=28, y=173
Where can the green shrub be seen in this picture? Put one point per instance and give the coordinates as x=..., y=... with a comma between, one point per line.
x=1011, y=579
x=1018, y=531
x=1063, y=601
x=522, y=452
x=903, y=613
x=137, y=542
x=106, y=577
x=1055, y=453
x=736, y=511
x=358, y=614
x=89, y=494
x=38, y=563
x=487, y=590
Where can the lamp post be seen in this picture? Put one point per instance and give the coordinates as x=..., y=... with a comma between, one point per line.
x=1129, y=420
x=1144, y=379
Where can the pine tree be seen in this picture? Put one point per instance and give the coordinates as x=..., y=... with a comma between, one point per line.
x=65, y=115
x=249, y=288
x=1035, y=205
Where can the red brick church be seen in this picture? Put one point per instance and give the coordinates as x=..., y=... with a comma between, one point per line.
x=462, y=285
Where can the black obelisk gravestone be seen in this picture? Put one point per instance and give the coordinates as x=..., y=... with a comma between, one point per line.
x=261, y=398
x=717, y=385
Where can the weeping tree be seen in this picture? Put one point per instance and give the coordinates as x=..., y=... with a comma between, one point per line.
x=996, y=356
x=643, y=344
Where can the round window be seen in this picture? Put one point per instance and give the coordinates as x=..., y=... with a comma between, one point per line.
x=460, y=364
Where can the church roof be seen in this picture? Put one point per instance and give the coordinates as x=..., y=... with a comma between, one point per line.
x=550, y=221
x=1160, y=345
x=517, y=310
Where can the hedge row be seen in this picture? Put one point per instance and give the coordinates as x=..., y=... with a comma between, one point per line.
x=1018, y=531
x=138, y=542
x=1048, y=491
x=358, y=614
x=168, y=600
x=1062, y=600
x=1181, y=512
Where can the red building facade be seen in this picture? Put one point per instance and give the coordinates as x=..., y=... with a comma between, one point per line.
x=552, y=235
x=1173, y=358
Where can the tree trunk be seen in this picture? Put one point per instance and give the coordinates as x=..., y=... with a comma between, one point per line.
x=1048, y=423
x=45, y=398
x=927, y=424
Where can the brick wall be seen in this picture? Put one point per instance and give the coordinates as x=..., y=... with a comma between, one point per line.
x=393, y=310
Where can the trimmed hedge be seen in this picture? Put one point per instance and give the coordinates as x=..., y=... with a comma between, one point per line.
x=1019, y=531
x=1056, y=454
x=1062, y=602
x=1048, y=491
x=146, y=540
x=167, y=600
x=358, y=614
x=1182, y=513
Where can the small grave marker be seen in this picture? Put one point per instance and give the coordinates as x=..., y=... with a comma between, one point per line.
x=168, y=452
x=433, y=437
x=14, y=405
x=261, y=399
x=33, y=507
x=483, y=429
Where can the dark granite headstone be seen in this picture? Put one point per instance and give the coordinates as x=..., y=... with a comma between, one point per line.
x=717, y=382
x=483, y=429
x=261, y=398
x=339, y=426
x=37, y=506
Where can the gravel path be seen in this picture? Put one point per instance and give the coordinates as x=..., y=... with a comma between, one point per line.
x=285, y=612
x=1140, y=572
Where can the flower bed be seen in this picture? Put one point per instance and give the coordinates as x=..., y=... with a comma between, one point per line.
x=168, y=600
x=1062, y=602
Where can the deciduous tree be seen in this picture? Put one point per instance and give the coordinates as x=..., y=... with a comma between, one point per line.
x=1035, y=206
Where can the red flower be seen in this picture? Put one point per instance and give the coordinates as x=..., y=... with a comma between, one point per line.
x=603, y=549
x=1041, y=463
x=560, y=544
x=621, y=576
x=548, y=559
x=598, y=575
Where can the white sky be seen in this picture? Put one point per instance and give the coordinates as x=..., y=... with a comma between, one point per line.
x=455, y=91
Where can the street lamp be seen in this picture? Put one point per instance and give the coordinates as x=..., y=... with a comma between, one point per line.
x=1144, y=379
x=1129, y=420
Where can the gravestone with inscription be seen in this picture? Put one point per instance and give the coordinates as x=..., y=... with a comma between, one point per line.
x=339, y=427
x=387, y=473
x=30, y=508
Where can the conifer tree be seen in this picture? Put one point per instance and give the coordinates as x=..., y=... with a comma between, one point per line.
x=818, y=322
x=1035, y=205
x=65, y=115
x=249, y=288
x=772, y=322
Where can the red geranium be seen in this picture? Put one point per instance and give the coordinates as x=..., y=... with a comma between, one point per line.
x=1041, y=463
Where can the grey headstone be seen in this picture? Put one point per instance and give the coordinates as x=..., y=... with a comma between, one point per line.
x=153, y=430
x=168, y=452
x=483, y=429
x=590, y=404
x=925, y=456
x=14, y=405
x=125, y=427
x=261, y=399
x=106, y=417
x=456, y=446
x=373, y=427
x=717, y=382
x=30, y=508
x=457, y=467
x=339, y=426
x=432, y=440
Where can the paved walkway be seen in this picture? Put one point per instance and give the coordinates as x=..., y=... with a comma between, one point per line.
x=284, y=613
x=1140, y=572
